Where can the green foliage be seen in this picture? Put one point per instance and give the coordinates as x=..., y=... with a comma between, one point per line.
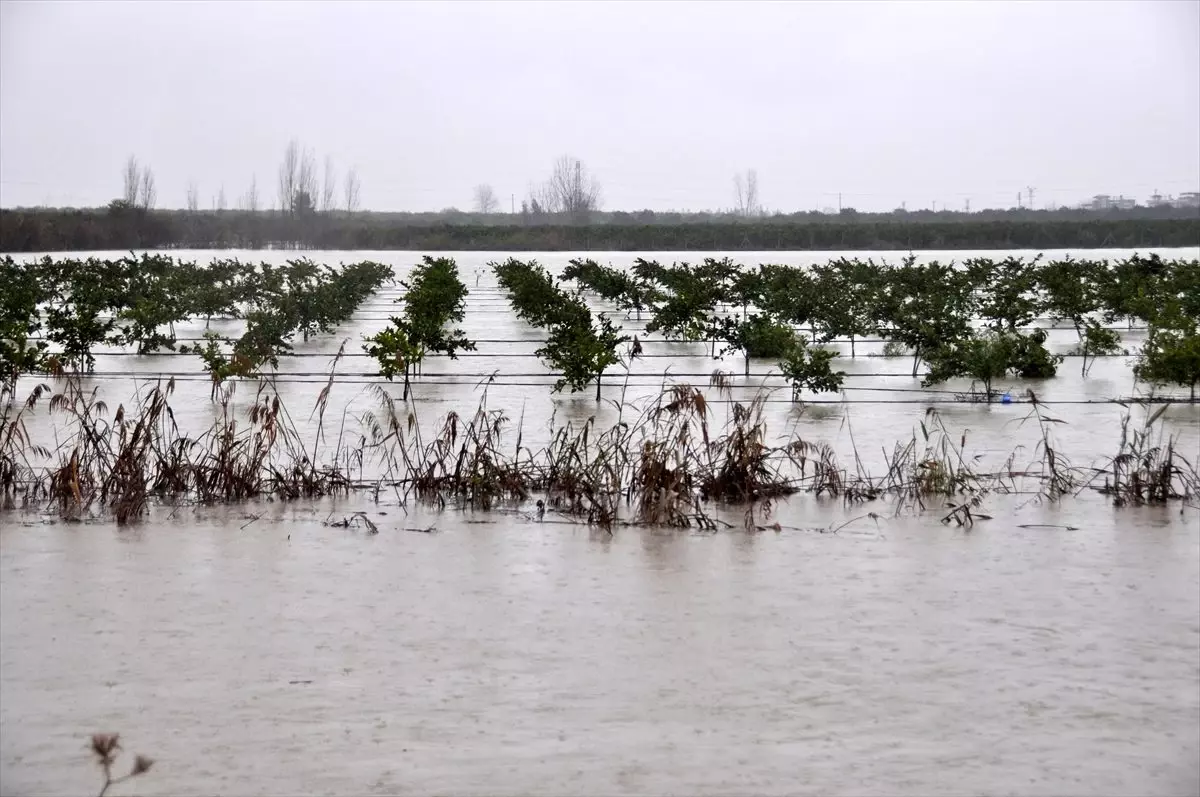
x=847, y=300
x=690, y=296
x=535, y=296
x=579, y=345
x=220, y=365
x=1096, y=340
x=809, y=369
x=82, y=313
x=216, y=291
x=788, y=294
x=156, y=298
x=927, y=307
x=628, y=291
x=1074, y=291
x=1134, y=288
x=582, y=352
x=983, y=358
x=1008, y=297
x=987, y=356
x=281, y=301
x=757, y=336
x=435, y=296
x=1028, y=357
x=435, y=292
x=1171, y=357
x=1182, y=289
x=394, y=349
x=20, y=319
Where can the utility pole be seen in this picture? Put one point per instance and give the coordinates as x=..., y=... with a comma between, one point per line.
x=1029, y=188
x=839, y=201
x=512, y=204
x=935, y=206
x=968, y=210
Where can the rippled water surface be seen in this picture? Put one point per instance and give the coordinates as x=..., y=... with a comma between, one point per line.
x=514, y=657
x=1054, y=649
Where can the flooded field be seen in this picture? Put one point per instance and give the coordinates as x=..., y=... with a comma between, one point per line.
x=254, y=649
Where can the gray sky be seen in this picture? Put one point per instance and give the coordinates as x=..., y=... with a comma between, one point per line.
x=887, y=103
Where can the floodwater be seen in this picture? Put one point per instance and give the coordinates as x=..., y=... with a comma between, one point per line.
x=1054, y=649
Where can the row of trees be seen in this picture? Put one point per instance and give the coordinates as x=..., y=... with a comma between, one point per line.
x=299, y=190
x=81, y=304
x=580, y=345
x=971, y=320
x=571, y=190
x=434, y=297
x=122, y=228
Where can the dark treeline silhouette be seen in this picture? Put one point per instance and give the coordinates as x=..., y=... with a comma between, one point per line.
x=124, y=227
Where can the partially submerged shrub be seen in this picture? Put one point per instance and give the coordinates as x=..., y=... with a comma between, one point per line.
x=1171, y=356
x=989, y=356
x=808, y=368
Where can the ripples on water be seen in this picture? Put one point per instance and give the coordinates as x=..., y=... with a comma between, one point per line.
x=505, y=656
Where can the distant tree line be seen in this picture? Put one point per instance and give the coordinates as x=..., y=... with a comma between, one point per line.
x=124, y=227
x=563, y=212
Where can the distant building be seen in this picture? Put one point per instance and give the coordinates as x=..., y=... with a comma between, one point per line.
x=1108, y=202
x=1188, y=199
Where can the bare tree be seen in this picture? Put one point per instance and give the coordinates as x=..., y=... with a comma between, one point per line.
x=329, y=186
x=288, y=175
x=306, y=183
x=149, y=194
x=746, y=191
x=538, y=201
x=133, y=179
x=352, y=189
x=193, y=197
x=297, y=179
x=485, y=199
x=250, y=198
x=570, y=189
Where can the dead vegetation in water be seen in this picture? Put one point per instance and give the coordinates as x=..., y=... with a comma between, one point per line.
x=106, y=747
x=665, y=461
x=1147, y=467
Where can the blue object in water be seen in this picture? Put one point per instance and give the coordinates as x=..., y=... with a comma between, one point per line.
x=1006, y=398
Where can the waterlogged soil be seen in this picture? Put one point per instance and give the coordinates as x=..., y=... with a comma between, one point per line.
x=496, y=654
x=256, y=650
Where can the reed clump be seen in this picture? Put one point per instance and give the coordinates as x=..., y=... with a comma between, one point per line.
x=1147, y=467
x=665, y=461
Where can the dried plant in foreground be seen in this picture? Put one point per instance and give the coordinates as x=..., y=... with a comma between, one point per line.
x=106, y=747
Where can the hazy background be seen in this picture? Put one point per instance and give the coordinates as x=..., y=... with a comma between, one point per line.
x=884, y=102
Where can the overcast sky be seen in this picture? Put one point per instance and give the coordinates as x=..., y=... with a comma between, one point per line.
x=885, y=103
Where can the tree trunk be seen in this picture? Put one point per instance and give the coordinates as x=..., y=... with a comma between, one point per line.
x=598, y=378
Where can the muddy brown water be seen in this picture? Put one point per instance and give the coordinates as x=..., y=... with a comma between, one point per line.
x=255, y=650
